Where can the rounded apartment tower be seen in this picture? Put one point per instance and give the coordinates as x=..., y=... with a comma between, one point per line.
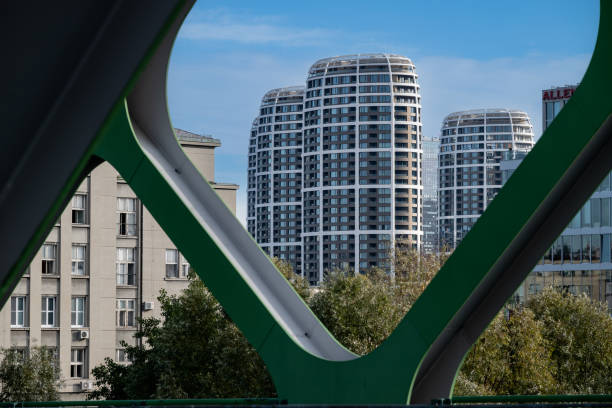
x=362, y=183
x=274, y=197
x=471, y=146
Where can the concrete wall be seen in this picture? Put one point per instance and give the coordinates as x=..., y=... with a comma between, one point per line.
x=99, y=285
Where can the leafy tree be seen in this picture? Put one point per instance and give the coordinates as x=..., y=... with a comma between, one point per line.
x=194, y=352
x=555, y=343
x=511, y=357
x=29, y=376
x=300, y=284
x=413, y=271
x=579, y=332
x=111, y=378
x=359, y=310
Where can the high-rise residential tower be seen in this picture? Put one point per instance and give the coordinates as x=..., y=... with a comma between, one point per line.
x=274, y=207
x=362, y=161
x=471, y=146
x=431, y=148
x=361, y=154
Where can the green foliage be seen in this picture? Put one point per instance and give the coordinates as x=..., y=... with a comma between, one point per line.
x=511, y=357
x=556, y=343
x=579, y=332
x=359, y=310
x=362, y=310
x=110, y=381
x=194, y=352
x=29, y=376
x=413, y=272
x=300, y=284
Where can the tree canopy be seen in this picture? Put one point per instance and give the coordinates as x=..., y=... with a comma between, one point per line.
x=359, y=310
x=195, y=351
x=579, y=334
x=555, y=343
x=29, y=375
x=511, y=357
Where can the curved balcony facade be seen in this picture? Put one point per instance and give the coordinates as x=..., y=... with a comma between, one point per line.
x=357, y=153
x=472, y=144
x=274, y=196
x=362, y=180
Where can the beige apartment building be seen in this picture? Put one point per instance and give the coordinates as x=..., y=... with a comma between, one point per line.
x=101, y=267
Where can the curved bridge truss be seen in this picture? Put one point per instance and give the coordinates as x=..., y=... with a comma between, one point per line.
x=101, y=96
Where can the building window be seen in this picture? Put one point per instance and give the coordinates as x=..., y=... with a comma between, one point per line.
x=125, y=312
x=78, y=259
x=172, y=263
x=126, y=212
x=18, y=311
x=77, y=363
x=22, y=352
x=77, y=308
x=49, y=259
x=49, y=312
x=126, y=270
x=552, y=110
x=78, y=208
x=184, y=267
x=121, y=356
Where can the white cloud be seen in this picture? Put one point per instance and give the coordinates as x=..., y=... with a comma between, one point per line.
x=454, y=84
x=220, y=94
x=218, y=25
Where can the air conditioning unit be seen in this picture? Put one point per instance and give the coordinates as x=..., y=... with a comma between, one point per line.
x=83, y=334
x=147, y=306
x=86, y=386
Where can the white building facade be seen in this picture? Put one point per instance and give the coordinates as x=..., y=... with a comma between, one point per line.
x=274, y=193
x=359, y=142
x=471, y=147
x=431, y=148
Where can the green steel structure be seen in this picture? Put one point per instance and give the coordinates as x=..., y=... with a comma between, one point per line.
x=102, y=97
x=500, y=401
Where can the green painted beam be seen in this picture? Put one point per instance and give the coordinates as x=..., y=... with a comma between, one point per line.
x=499, y=399
x=148, y=403
x=471, y=287
x=418, y=362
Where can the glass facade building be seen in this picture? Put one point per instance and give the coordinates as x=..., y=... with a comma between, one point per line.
x=471, y=147
x=579, y=261
x=358, y=154
x=553, y=100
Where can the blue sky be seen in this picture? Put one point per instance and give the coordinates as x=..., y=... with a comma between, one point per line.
x=468, y=54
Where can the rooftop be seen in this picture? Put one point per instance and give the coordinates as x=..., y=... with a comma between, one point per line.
x=285, y=94
x=354, y=59
x=552, y=88
x=185, y=136
x=488, y=112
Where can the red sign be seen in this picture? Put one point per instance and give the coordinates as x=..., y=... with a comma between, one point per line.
x=559, y=93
